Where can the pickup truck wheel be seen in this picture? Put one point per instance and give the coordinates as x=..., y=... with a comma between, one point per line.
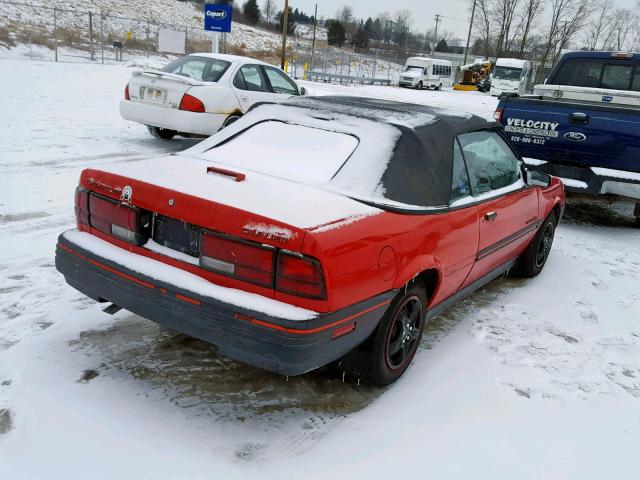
x=398, y=335
x=419, y=86
x=162, y=133
x=535, y=256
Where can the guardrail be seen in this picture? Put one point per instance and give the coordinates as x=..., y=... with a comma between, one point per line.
x=327, y=77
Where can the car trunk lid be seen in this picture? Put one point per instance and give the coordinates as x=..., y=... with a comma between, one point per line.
x=159, y=88
x=182, y=190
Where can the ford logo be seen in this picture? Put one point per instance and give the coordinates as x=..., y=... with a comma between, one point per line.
x=607, y=98
x=217, y=14
x=575, y=136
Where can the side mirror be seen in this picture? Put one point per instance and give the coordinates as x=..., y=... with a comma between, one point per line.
x=538, y=178
x=303, y=91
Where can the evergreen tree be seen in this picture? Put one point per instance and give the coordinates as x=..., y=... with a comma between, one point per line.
x=291, y=23
x=252, y=12
x=336, y=33
x=361, y=39
x=442, y=46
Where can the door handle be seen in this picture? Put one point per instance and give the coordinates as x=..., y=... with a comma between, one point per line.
x=579, y=118
x=490, y=216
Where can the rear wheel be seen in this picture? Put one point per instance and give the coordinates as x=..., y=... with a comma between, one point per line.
x=439, y=87
x=395, y=341
x=162, y=133
x=419, y=86
x=535, y=257
x=230, y=119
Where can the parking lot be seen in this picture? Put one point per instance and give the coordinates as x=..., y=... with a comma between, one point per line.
x=526, y=378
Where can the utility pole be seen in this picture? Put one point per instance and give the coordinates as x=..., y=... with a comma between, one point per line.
x=466, y=50
x=438, y=19
x=285, y=21
x=313, y=42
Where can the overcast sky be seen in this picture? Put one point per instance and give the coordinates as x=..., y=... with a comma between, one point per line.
x=455, y=13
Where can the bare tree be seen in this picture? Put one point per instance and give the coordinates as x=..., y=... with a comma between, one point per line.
x=599, y=24
x=530, y=12
x=269, y=8
x=402, y=21
x=567, y=18
x=484, y=17
x=503, y=14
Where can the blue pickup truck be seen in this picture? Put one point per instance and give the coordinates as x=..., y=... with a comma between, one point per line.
x=582, y=124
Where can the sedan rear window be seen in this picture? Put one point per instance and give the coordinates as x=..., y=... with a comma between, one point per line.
x=295, y=152
x=199, y=68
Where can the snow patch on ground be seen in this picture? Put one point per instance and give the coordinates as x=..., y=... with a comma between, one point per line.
x=526, y=379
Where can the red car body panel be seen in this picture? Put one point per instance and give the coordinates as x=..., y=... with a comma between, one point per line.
x=364, y=258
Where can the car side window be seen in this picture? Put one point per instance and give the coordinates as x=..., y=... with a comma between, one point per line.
x=250, y=78
x=460, y=185
x=280, y=83
x=491, y=163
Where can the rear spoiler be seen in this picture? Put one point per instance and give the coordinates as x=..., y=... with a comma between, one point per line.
x=172, y=76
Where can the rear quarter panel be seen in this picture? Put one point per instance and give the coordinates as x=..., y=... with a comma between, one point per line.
x=385, y=251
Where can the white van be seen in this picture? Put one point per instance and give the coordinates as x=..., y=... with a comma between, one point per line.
x=509, y=75
x=421, y=72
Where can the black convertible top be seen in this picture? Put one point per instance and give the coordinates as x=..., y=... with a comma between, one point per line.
x=420, y=170
x=451, y=120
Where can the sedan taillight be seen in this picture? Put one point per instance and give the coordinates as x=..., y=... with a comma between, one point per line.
x=235, y=258
x=262, y=265
x=191, y=104
x=127, y=223
x=126, y=93
x=299, y=275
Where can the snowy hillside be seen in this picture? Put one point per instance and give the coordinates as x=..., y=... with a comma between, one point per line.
x=166, y=12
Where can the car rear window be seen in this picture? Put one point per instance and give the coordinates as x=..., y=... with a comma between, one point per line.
x=199, y=68
x=295, y=152
x=598, y=73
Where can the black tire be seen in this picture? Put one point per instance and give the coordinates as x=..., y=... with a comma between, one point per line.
x=535, y=256
x=162, y=133
x=438, y=87
x=419, y=86
x=230, y=119
x=396, y=339
x=637, y=222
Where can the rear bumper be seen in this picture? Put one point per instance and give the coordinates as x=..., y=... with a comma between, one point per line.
x=593, y=181
x=284, y=346
x=172, y=118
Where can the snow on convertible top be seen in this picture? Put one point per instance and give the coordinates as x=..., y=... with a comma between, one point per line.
x=346, y=148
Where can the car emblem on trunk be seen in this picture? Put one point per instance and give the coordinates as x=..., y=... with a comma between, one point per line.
x=575, y=136
x=127, y=193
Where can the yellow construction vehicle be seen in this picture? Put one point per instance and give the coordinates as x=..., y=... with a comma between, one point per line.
x=472, y=74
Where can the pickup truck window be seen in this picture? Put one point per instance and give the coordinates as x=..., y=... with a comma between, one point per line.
x=617, y=77
x=491, y=163
x=598, y=73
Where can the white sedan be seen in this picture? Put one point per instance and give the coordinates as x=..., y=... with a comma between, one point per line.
x=201, y=93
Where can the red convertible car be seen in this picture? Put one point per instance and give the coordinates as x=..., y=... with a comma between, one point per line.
x=313, y=228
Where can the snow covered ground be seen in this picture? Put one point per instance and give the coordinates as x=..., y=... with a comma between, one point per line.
x=526, y=379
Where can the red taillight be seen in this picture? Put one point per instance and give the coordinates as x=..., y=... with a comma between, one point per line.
x=236, y=258
x=497, y=115
x=110, y=217
x=82, y=206
x=126, y=93
x=301, y=276
x=191, y=104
